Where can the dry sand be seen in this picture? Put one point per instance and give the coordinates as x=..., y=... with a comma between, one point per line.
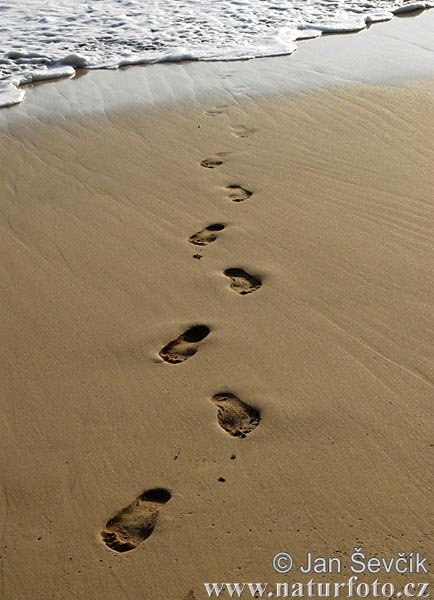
x=333, y=350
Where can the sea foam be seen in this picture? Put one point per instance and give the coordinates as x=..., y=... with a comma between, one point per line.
x=52, y=39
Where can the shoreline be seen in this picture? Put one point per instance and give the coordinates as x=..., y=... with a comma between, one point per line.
x=366, y=57
x=12, y=94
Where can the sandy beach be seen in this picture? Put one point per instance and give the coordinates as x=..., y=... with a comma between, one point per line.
x=284, y=245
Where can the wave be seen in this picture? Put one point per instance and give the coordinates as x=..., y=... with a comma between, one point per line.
x=40, y=41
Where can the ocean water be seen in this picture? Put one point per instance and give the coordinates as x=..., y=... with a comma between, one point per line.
x=51, y=39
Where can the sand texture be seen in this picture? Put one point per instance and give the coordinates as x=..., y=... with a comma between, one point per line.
x=216, y=341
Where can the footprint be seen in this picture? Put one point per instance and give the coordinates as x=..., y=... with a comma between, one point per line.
x=238, y=193
x=211, y=163
x=207, y=235
x=235, y=417
x=214, y=161
x=242, y=131
x=242, y=282
x=185, y=345
x=216, y=110
x=135, y=523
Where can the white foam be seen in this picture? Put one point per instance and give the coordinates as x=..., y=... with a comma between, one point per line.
x=51, y=39
x=53, y=73
x=10, y=94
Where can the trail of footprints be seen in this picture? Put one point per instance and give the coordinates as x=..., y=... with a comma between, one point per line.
x=134, y=524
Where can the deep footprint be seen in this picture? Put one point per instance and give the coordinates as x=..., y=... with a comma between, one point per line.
x=235, y=417
x=185, y=346
x=238, y=193
x=136, y=522
x=242, y=282
x=207, y=235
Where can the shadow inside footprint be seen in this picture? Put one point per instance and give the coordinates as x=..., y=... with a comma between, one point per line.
x=238, y=193
x=185, y=345
x=135, y=523
x=211, y=163
x=207, y=235
x=234, y=416
x=242, y=282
